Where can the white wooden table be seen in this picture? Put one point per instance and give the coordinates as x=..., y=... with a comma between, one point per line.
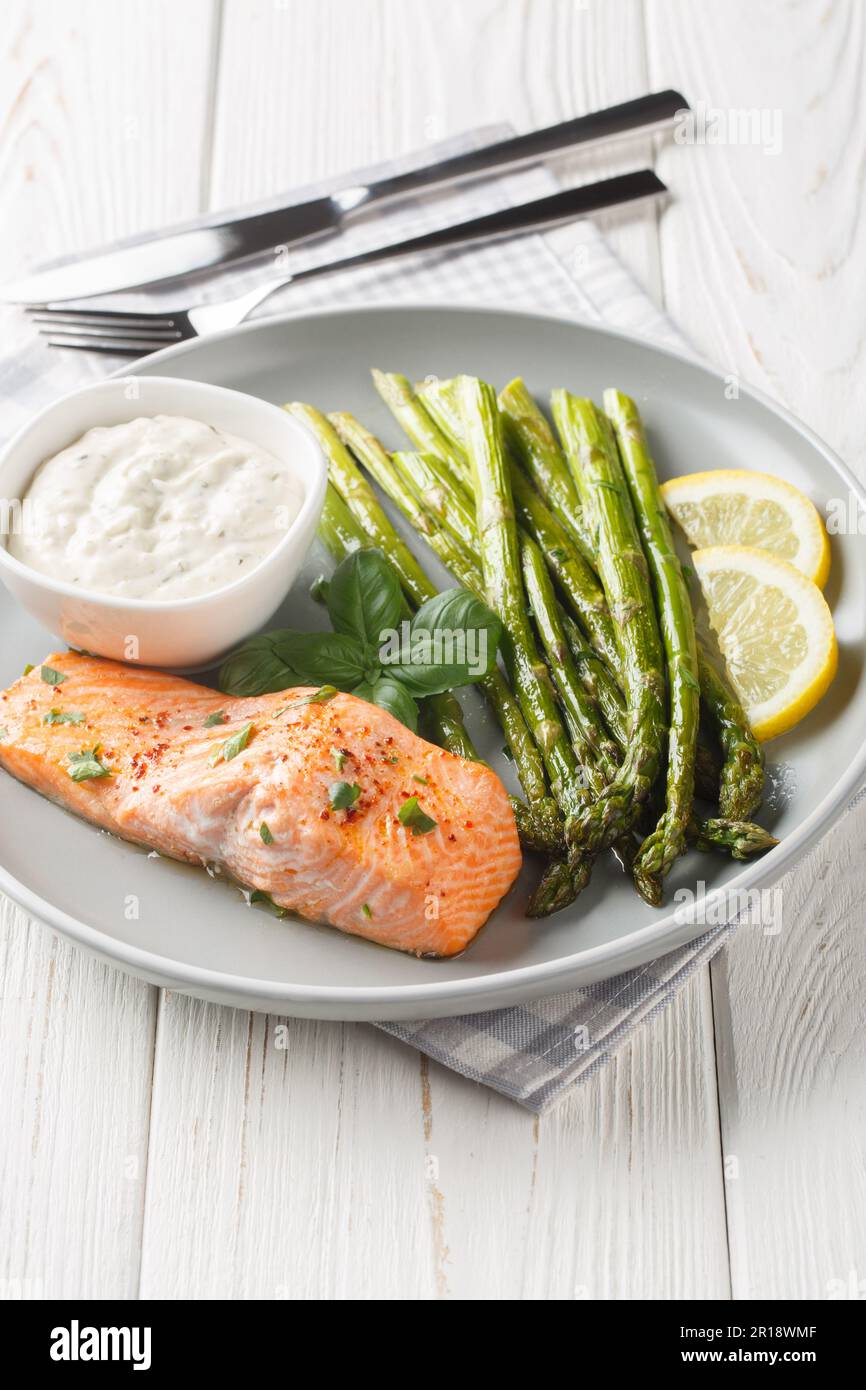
x=153, y=1145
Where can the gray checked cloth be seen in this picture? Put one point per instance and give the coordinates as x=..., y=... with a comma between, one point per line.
x=534, y=1052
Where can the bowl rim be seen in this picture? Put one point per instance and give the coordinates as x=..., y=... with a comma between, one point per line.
x=476, y=992
x=314, y=489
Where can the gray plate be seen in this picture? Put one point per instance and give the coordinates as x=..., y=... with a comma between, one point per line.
x=195, y=934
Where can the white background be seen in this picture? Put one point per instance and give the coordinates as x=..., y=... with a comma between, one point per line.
x=155, y=1145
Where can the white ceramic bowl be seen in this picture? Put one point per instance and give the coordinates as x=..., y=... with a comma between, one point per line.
x=189, y=632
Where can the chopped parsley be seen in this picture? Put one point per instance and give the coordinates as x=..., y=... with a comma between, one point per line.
x=219, y=716
x=367, y=910
x=339, y=756
x=342, y=795
x=318, y=697
x=411, y=815
x=63, y=716
x=50, y=676
x=86, y=764
x=416, y=777
x=232, y=746
x=265, y=832
x=266, y=901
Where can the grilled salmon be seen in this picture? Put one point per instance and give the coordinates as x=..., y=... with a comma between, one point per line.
x=323, y=802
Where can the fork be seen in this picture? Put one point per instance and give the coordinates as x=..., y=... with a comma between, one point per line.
x=135, y=332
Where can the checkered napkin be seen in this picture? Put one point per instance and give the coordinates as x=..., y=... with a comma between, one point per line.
x=531, y=1053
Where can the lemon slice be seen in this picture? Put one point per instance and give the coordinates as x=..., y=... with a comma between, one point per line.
x=736, y=507
x=774, y=630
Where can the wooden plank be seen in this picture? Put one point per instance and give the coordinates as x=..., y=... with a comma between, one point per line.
x=762, y=257
x=345, y=1166
x=91, y=99
x=287, y=1161
x=616, y=1194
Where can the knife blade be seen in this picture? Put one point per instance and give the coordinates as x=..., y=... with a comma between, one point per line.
x=156, y=257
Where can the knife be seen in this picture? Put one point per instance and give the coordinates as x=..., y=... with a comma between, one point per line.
x=193, y=248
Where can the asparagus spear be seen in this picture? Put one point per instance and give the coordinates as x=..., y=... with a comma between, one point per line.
x=532, y=442
x=739, y=839
x=498, y=547
x=519, y=741
x=450, y=503
x=742, y=774
x=424, y=433
x=673, y=605
x=597, y=754
x=362, y=500
x=623, y=572
x=575, y=577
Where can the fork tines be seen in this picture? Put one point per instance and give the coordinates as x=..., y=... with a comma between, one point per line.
x=106, y=330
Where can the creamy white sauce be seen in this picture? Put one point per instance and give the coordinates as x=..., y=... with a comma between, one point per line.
x=159, y=508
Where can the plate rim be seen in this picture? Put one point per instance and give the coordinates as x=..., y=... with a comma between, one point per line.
x=528, y=980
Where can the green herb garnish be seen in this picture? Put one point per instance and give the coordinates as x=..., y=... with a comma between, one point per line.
x=264, y=831
x=232, y=746
x=266, y=901
x=86, y=764
x=63, y=716
x=343, y=795
x=4, y=732
x=367, y=910
x=339, y=758
x=219, y=716
x=50, y=676
x=28, y=668
x=318, y=697
x=411, y=815
x=372, y=652
x=416, y=777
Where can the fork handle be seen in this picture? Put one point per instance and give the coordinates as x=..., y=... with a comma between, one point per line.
x=539, y=215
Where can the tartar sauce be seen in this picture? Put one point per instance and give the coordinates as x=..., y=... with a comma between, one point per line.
x=158, y=508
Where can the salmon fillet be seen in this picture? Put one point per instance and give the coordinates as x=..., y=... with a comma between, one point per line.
x=360, y=869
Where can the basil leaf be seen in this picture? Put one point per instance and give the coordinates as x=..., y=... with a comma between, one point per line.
x=342, y=795
x=411, y=815
x=265, y=832
x=86, y=764
x=256, y=668
x=453, y=640
x=324, y=656
x=278, y=660
x=364, y=597
x=61, y=716
x=219, y=716
x=52, y=677
x=392, y=695
x=232, y=746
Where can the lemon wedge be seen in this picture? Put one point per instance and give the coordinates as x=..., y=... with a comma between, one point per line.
x=774, y=630
x=736, y=507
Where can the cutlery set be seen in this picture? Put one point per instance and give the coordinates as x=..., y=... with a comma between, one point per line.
x=193, y=250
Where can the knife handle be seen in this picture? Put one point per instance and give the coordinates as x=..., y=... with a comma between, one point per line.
x=539, y=215
x=652, y=112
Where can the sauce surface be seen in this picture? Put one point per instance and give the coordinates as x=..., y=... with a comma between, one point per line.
x=161, y=507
